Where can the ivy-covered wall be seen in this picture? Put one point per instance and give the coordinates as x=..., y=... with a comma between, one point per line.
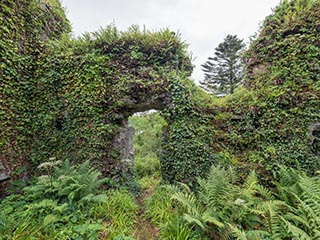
x=25, y=25
x=273, y=120
x=186, y=151
x=63, y=98
x=90, y=86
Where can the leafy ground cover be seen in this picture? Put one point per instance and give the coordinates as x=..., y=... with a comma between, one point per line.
x=69, y=202
x=229, y=160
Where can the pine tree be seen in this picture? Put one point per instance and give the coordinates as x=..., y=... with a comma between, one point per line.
x=224, y=72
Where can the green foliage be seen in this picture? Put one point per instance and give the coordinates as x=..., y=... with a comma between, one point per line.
x=159, y=206
x=228, y=210
x=68, y=98
x=162, y=212
x=79, y=92
x=221, y=204
x=146, y=166
x=177, y=229
x=68, y=204
x=25, y=26
x=148, y=130
x=303, y=195
x=146, y=143
x=60, y=205
x=186, y=152
x=269, y=123
x=66, y=183
x=119, y=211
x=149, y=182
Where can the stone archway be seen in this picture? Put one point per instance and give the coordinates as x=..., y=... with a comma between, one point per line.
x=77, y=94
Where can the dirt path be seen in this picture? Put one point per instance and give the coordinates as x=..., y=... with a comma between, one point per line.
x=144, y=229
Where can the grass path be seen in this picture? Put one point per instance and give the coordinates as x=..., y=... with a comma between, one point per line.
x=144, y=230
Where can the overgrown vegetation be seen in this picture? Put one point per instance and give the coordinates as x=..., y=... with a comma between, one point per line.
x=67, y=203
x=244, y=166
x=146, y=147
x=223, y=209
x=270, y=122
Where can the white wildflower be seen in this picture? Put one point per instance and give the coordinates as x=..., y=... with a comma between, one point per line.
x=239, y=201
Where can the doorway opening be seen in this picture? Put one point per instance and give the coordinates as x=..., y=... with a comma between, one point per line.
x=147, y=147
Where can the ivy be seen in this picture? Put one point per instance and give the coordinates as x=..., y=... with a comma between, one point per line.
x=282, y=100
x=70, y=98
x=186, y=148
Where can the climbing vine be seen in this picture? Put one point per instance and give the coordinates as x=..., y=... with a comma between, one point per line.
x=24, y=27
x=269, y=123
x=187, y=152
x=70, y=98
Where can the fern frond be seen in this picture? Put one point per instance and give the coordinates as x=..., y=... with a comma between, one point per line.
x=188, y=201
x=250, y=182
x=309, y=213
x=264, y=192
x=294, y=230
x=269, y=211
x=237, y=233
x=310, y=187
x=209, y=218
x=219, y=188
x=190, y=219
x=288, y=176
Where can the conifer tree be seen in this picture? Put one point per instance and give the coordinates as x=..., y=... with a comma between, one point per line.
x=224, y=72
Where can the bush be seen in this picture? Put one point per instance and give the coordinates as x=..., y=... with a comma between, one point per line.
x=146, y=166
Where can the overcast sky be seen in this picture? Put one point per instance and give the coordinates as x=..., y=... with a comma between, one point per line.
x=203, y=24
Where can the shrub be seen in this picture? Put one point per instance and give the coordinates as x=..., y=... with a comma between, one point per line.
x=146, y=166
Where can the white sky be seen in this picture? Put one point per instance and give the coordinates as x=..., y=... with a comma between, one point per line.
x=203, y=24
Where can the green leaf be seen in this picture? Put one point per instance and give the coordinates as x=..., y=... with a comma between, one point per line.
x=49, y=219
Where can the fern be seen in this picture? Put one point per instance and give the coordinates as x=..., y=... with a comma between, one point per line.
x=218, y=190
x=269, y=212
x=56, y=203
x=250, y=184
x=189, y=202
x=221, y=203
x=230, y=211
x=294, y=230
x=239, y=234
x=301, y=196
